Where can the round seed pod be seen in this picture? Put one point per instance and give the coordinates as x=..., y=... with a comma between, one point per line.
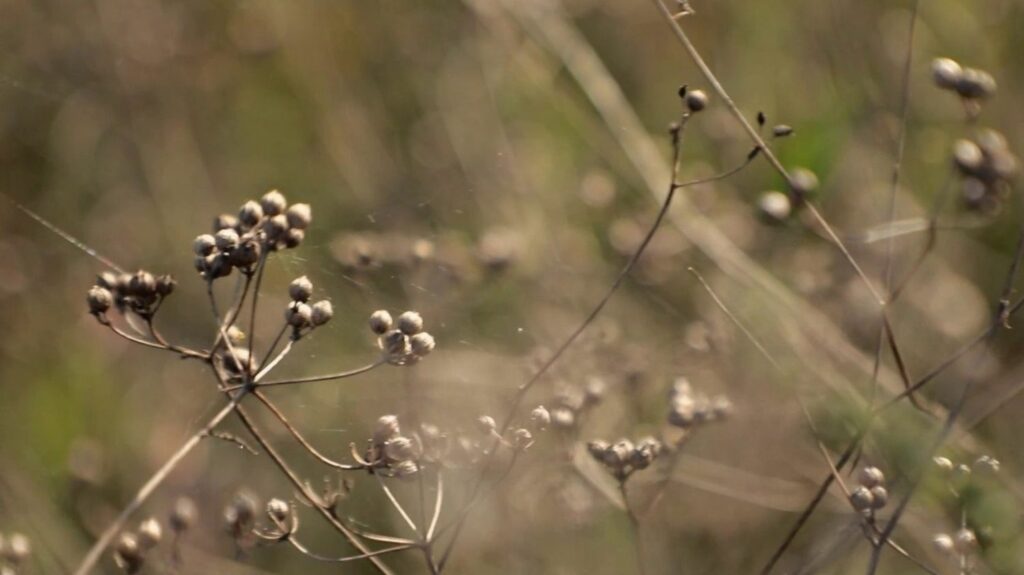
x=522, y=438
x=485, y=424
x=395, y=342
x=540, y=417
x=293, y=237
x=410, y=323
x=696, y=100
x=276, y=227
x=107, y=280
x=803, y=182
x=250, y=214
x=879, y=497
x=246, y=254
x=299, y=315
x=299, y=216
x=861, y=498
x=422, y=343
x=273, y=203
x=204, y=244
x=128, y=555
x=380, y=322
x=943, y=542
x=142, y=283
x=183, y=514
x=224, y=222
x=18, y=549
x=150, y=533
x=968, y=157
x=946, y=73
x=597, y=449
x=870, y=476
x=241, y=512
x=165, y=285
x=386, y=428
x=301, y=289
x=774, y=206
x=964, y=541
x=563, y=418
x=227, y=239
x=322, y=313
x=278, y=510
x=976, y=84
x=99, y=300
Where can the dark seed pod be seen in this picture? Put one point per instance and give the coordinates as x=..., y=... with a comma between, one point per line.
x=250, y=214
x=696, y=100
x=976, y=84
x=380, y=322
x=246, y=254
x=165, y=285
x=273, y=203
x=128, y=555
x=299, y=315
x=99, y=299
x=803, y=182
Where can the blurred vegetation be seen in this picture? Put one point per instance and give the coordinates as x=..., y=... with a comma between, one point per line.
x=455, y=131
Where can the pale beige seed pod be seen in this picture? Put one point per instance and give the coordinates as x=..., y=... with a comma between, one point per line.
x=964, y=541
x=223, y=222
x=540, y=417
x=943, y=463
x=99, y=300
x=273, y=203
x=299, y=315
x=410, y=323
x=967, y=156
x=227, y=239
x=204, y=244
x=250, y=213
x=422, y=343
x=150, y=534
x=774, y=206
x=522, y=438
x=879, y=497
x=803, y=182
x=275, y=227
x=861, y=498
x=293, y=237
x=128, y=555
x=870, y=476
x=299, y=216
x=301, y=289
x=18, y=549
x=387, y=428
x=323, y=311
x=380, y=322
x=946, y=73
x=486, y=424
x=278, y=510
x=943, y=542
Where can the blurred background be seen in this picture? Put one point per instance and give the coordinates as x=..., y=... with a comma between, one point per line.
x=492, y=164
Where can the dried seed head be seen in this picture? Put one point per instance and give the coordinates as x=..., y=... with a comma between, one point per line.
x=380, y=322
x=410, y=323
x=322, y=313
x=944, y=543
x=293, y=237
x=386, y=428
x=782, y=130
x=395, y=343
x=250, y=214
x=273, y=203
x=803, y=182
x=99, y=299
x=879, y=497
x=246, y=254
x=301, y=289
x=944, y=464
x=946, y=73
x=399, y=449
x=278, y=510
x=299, y=315
x=165, y=285
x=275, y=227
x=142, y=283
x=968, y=156
x=870, y=476
x=226, y=239
x=128, y=554
x=522, y=438
x=203, y=244
x=183, y=514
x=540, y=418
x=774, y=206
x=696, y=100
x=975, y=84
x=964, y=541
x=299, y=216
x=422, y=343
x=150, y=534
x=224, y=222
x=861, y=498
x=622, y=450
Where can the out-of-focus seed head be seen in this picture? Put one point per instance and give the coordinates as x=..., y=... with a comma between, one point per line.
x=879, y=497
x=522, y=438
x=293, y=237
x=278, y=511
x=696, y=100
x=987, y=464
x=150, y=533
x=991, y=141
x=803, y=182
x=273, y=203
x=782, y=130
x=204, y=244
x=594, y=390
x=227, y=239
x=485, y=424
x=299, y=216
x=298, y=315
x=870, y=476
x=976, y=84
x=183, y=514
x=597, y=449
x=301, y=289
x=946, y=73
x=165, y=285
x=422, y=343
x=400, y=449
x=128, y=554
x=721, y=407
x=250, y=214
x=563, y=418
x=861, y=498
x=944, y=464
x=943, y=543
x=224, y=222
x=646, y=451
x=107, y=280
x=17, y=549
x=276, y=227
x=99, y=299
x=386, y=428
x=540, y=418
x=968, y=156
x=241, y=512
x=380, y=322
x=774, y=206
x=410, y=323
x=323, y=311
x=964, y=541
x=622, y=451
